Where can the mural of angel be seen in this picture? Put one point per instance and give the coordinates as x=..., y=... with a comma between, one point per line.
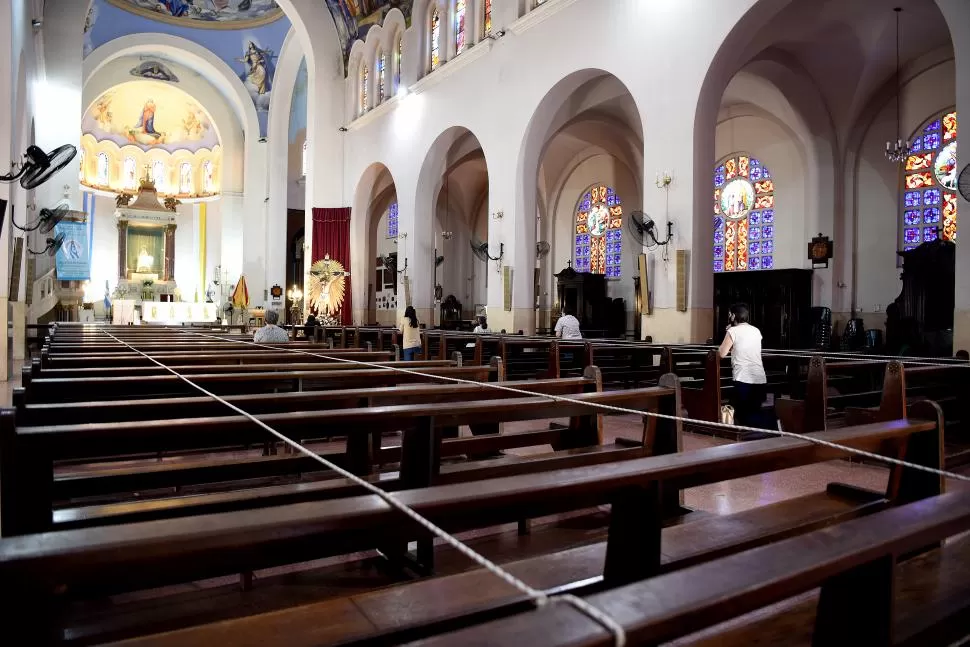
x=326, y=286
x=259, y=68
x=102, y=111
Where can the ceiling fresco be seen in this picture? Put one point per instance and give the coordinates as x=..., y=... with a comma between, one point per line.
x=251, y=51
x=150, y=114
x=206, y=14
x=355, y=17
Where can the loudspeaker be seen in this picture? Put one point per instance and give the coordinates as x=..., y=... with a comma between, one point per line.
x=643, y=298
x=507, y=287
x=682, y=280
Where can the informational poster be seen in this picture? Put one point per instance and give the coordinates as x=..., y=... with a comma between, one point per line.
x=72, y=260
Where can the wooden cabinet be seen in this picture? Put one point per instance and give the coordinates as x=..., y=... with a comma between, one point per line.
x=585, y=295
x=780, y=302
x=920, y=320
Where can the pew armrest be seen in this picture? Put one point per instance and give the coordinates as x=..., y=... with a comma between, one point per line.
x=791, y=414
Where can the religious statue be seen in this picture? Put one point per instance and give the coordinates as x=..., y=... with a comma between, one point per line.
x=326, y=286
x=146, y=261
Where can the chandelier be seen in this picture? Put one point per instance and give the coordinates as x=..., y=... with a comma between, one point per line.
x=897, y=151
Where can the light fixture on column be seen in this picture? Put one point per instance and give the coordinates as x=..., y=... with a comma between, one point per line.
x=897, y=151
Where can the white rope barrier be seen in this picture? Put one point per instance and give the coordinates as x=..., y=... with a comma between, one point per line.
x=539, y=598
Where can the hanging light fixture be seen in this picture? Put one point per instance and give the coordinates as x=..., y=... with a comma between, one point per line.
x=897, y=151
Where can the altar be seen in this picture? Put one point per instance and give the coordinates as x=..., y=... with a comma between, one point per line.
x=125, y=312
x=146, y=245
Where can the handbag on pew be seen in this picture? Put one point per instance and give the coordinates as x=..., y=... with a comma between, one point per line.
x=727, y=414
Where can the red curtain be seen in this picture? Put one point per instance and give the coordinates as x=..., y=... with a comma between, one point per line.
x=331, y=235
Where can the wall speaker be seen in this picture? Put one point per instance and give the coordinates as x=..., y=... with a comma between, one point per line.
x=682, y=280
x=507, y=287
x=643, y=298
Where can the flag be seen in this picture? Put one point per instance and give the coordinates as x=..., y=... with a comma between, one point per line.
x=240, y=296
x=107, y=301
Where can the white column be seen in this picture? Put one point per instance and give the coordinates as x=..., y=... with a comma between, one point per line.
x=511, y=223
x=957, y=14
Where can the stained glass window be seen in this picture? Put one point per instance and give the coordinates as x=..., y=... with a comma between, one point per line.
x=744, y=216
x=381, y=78
x=392, y=221
x=306, y=157
x=208, y=184
x=101, y=176
x=364, y=79
x=459, y=26
x=435, y=38
x=928, y=209
x=185, y=178
x=486, y=18
x=158, y=174
x=599, y=232
x=130, y=168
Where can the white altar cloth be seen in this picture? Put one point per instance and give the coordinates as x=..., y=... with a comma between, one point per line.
x=178, y=312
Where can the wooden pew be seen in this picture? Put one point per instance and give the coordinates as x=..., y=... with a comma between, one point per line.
x=148, y=554
x=28, y=454
x=211, y=359
x=854, y=564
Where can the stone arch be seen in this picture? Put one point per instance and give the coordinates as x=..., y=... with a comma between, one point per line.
x=374, y=191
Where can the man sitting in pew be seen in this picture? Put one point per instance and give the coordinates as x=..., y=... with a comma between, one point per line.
x=742, y=342
x=270, y=333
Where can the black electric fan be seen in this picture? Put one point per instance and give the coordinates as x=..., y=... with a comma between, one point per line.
x=38, y=166
x=481, y=252
x=964, y=182
x=53, y=244
x=46, y=221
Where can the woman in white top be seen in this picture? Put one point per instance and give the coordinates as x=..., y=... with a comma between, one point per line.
x=743, y=343
x=568, y=325
x=411, y=342
x=482, y=327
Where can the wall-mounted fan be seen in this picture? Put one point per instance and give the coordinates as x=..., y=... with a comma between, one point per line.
x=542, y=249
x=53, y=244
x=964, y=182
x=480, y=250
x=38, y=166
x=390, y=263
x=644, y=230
x=47, y=219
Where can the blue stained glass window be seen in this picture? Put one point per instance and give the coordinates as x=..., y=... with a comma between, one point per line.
x=719, y=176
x=911, y=236
x=917, y=145
x=913, y=198
x=927, y=197
x=908, y=248
x=933, y=125
x=735, y=210
x=931, y=196
x=931, y=142
x=599, y=232
x=930, y=234
x=911, y=217
x=767, y=247
x=931, y=216
x=392, y=221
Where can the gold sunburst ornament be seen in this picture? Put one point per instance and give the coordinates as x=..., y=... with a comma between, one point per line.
x=327, y=283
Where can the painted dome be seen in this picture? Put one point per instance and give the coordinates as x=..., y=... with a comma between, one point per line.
x=206, y=14
x=150, y=115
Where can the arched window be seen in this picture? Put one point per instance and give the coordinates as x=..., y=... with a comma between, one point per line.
x=392, y=221
x=381, y=78
x=130, y=173
x=929, y=205
x=398, y=51
x=185, y=178
x=599, y=232
x=486, y=18
x=158, y=174
x=435, y=39
x=208, y=184
x=744, y=216
x=101, y=177
x=306, y=158
x=364, y=80
x=459, y=26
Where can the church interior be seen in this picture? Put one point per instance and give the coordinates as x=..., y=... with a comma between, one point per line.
x=484, y=322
